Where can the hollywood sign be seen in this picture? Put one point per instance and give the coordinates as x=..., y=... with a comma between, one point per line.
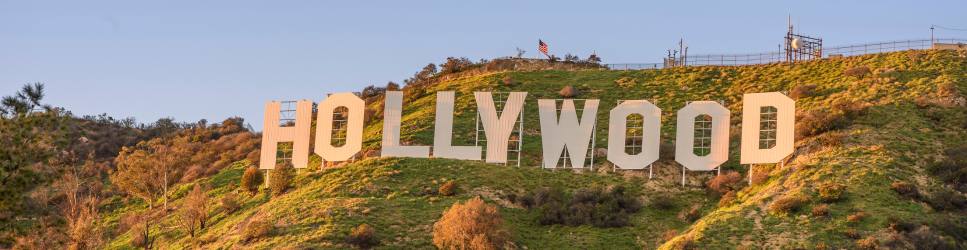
x=767, y=140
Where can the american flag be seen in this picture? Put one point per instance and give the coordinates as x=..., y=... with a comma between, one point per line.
x=542, y=46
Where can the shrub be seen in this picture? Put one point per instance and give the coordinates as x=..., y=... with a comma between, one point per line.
x=868, y=243
x=691, y=214
x=251, y=179
x=901, y=226
x=723, y=183
x=786, y=204
x=852, y=234
x=507, y=80
x=821, y=246
x=759, y=177
x=230, y=203
x=822, y=210
x=362, y=236
x=801, y=91
x=448, y=189
x=598, y=207
x=686, y=243
x=815, y=122
x=831, y=191
x=856, y=217
x=669, y=235
x=727, y=199
x=568, y=92
x=953, y=169
x=662, y=201
x=859, y=71
x=945, y=199
x=257, y=228
x=470, y=225
x=905, y=189
x=280, y=178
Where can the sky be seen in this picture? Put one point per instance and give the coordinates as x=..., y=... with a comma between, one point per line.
x=192, y=60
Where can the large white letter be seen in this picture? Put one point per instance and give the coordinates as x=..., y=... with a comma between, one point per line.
x=685, y=136
x=354, y=129
x=443, y=131
x=496, y=128
x=780, y=112
x=555, y=135
x=617, y=137
x=272, y=134
x=392, y=117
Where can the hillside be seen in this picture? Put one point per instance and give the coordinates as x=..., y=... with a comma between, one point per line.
x=866, y=123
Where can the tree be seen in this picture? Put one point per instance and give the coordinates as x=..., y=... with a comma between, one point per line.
x=423, y=75
x=149, y=168
x=392, y=86
x=593, y=58
x=571, y=58
x=194, y=212
x=30, y=139
x=455, y=64
x=24, y=101
x=79, y=212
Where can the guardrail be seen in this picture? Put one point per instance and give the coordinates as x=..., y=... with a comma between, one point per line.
x=777, y=57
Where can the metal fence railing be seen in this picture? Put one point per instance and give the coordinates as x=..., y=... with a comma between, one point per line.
x=776, y=57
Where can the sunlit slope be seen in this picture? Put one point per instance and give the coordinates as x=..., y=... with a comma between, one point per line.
x=892, y=137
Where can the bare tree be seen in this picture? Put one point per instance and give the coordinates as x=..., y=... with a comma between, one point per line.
x=194, y=213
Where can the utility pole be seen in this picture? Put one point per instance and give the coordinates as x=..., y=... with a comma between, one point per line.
x=931, y=35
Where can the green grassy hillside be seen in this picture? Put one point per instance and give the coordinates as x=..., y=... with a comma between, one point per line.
x=891, y=125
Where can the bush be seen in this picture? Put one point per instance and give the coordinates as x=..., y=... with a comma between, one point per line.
x=859, y=71
x=852, y=234
x=251, y=179
x=901, y=226
x=868, y=243
x=831, y=191
x=669, y=235
x=727, y=199
x=905, y=189
x=822, y=210
x=691, y=214
x=662, y=202
x=953, y=169
x=598, y=207
x=568, y=92
x=856, y=217
x=280, y=178
x=801, y=91
x=945, y=199
x=230, y=203
x=508, y=81
x=362, y=236
x=257, y=228
x=759, y=177
x=448, y=189
x=815, y=122
x=470, y=225
x=724, y=183
x=786, y=204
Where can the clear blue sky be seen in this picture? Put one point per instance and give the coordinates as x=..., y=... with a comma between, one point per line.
x=214, y=59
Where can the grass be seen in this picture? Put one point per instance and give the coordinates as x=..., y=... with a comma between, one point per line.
x=893, y=140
